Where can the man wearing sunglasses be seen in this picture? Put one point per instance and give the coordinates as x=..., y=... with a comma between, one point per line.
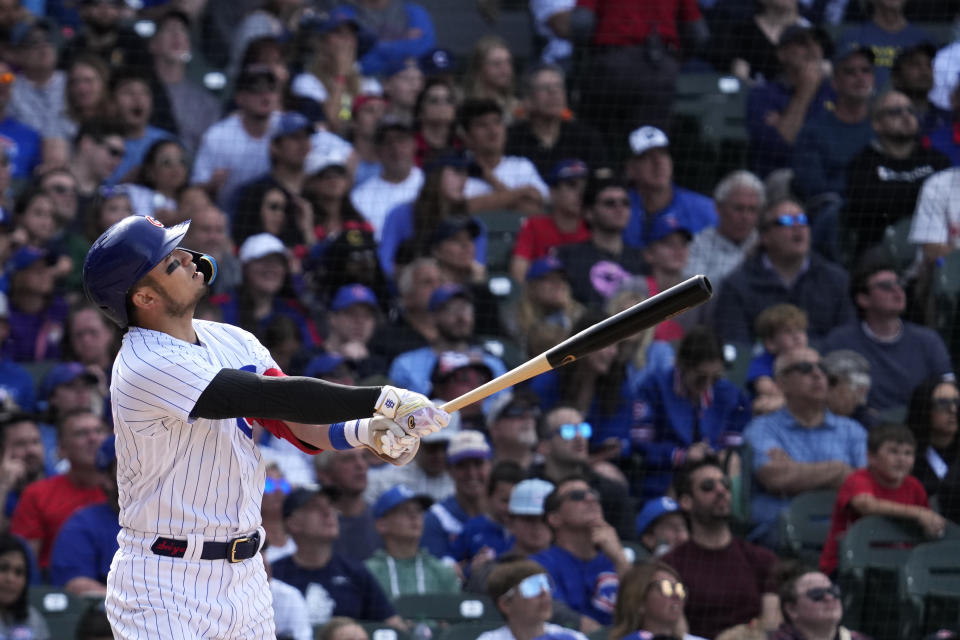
x=901, y=354
x=783, y=270
x=812, y=607
x=802, y=447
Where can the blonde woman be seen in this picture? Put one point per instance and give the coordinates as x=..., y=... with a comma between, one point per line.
x=490, y=75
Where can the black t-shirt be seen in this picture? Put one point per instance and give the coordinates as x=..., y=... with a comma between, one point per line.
x=594, y=272
x=576, y=140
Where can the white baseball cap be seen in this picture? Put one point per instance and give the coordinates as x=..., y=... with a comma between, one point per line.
x=259, y=246
x=646, y=138
x=526, y=498
x=468, y=444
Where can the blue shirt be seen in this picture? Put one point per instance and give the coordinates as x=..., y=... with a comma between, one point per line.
x=85, y=545
x=134, y=152
x=838, y=438
x=663, y=425
x=350, y=585
x=398, y=227
x=442, y=524
x=825, y=146
x=18, y=382
x=587, y=586
x=479, y=532
x=393, y=45
x=23, y=146
x=760, y=366
x=693, y=210
x=946, y=140
x=884, y=44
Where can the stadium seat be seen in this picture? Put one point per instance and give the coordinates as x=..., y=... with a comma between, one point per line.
x=447, y=607
x=897, y=245
x=805, y=523
x=502, y=229
x=603, y=633
x=466, y=630
x=376, y=631
x=946, y=298
x=930, y=589
x=61, y=610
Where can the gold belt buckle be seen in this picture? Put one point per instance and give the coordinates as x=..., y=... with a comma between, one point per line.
x=233, y=549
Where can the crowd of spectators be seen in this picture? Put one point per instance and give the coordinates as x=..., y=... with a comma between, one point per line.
x=353, y=180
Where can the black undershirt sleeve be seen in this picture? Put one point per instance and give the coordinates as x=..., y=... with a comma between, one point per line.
x=243, y=394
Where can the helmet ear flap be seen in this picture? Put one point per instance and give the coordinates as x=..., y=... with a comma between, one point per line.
x=206, y=265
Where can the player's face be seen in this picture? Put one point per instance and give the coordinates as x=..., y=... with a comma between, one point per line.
x=178, y=283
x=13, y=577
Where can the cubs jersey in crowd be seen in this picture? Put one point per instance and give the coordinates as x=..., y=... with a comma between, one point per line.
x=587, y=586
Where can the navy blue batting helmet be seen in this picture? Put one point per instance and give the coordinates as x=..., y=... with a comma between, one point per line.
x=125, y=253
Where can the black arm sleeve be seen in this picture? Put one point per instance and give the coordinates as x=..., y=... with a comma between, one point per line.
x=243, y=394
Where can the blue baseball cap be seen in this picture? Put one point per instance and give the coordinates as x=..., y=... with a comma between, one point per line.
x=653, y=511
x=663, y=226
x=396, y=65
x=66, y=373
x=542, y=267
x=446, y=292
x=398, y=495
x=106, y=454
x=25, y=257
x=290, y=123
x=322, y=364
x=351, y=294
x=437, y=61
x=324, y=22
x=569, y=169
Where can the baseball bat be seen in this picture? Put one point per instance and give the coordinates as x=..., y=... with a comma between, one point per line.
x=643, y=315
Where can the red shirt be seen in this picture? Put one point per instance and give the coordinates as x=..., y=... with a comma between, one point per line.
x=629, y=22
x=862, y=481
x=45, y=505
x=539, y=234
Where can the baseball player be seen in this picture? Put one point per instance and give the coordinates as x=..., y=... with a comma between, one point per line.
x=185, y=394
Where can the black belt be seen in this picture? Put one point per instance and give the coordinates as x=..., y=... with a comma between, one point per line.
x=232, y=551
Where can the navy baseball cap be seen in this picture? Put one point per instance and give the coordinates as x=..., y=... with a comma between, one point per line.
x=290, y=123
x=25, y=257
x=324, y=22
x=569, y=169
x=664, y=225
x=450, y=361
x=437, y=61
x=302, y=495
x=391, y=123
x=106, y=454
x=322, y=365
x=450, y=227
x=65, y=373
x=542, y=267
x=653, y=511
x=795, y=33
x=253, y=74
x=850, y=49
x=446, y=292
x=351, y=294
x=398, y=495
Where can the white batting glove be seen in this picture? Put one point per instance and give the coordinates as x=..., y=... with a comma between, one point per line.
x=381, y=435
x=412, y=411
x=399, y=453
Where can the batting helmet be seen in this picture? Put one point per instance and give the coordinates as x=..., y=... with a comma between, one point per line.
x=125, y=253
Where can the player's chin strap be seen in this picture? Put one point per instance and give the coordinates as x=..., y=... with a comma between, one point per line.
x=206, y=265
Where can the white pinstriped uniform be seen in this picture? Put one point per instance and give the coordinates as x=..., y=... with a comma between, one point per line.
x=188, y=479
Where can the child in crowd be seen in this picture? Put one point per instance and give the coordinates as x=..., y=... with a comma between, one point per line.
x=781, y=328
x=884, y=488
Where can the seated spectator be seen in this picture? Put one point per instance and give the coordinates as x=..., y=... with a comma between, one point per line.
x=936, y=216
x=778, y=108
x=654, y=195
x=489, y=75
x=779, y=328
x=87, y=93
x=512, y=427
x=884, y=488
x=497, y=181
x=66, y=387
x=410, y=325
x=748, y=49
x=402, y=83
x=104, y=30
x=208, y=234
x=784, y=269
x=545, y=312
x=468, y=457
x=159, y=180
x=106, y=208
x=98, y=148
x=272, y=18
x=37, y=311
x=812, y=607
x=342, y=628
x=399, y=180
x=486, y=536
x=290, y=616
x=848, y=377
x=46, y=505
x=435, y=118
x=24, y=150
x=132, y=97
x=564, y=445
x=22, y=448
x=586, y=559
x=551, y=22
x=884, y=179
x=331, y=584
x=353, y=316
x=401, y=566
x=367, y=111
x=17, y=616
x=595, y=267
x=661, y=526
x=550, y=133
x=932, y=417
x=802, y=447
x=747, y=592
x=266, y=290
x=886, y=33
x=716, y=251
x=912, y=75
x=345, y=474
x=525, y=516
x=327, y=191
x=685, y=412
x=563, y=224
x=38, y=94
x=650, y=604
x=36, y=223
x=667, y=252
x=456, y=373
x=15, y=381
x=901, y=354
x=427, y=474
x=84, y=548
x=521, y=591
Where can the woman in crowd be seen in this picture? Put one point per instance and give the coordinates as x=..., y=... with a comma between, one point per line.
x=91, y=339
x=327, y=190
x=88, y=81
x=490, y=75
x=650, y=604
x=159, y=181
x=435, y=114
x=545, y=312
x=266, y=208
x=34, y=218
x=932, y=416
x=17, y=618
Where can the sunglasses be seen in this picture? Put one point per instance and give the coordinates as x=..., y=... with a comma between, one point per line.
x=819, y=594
x=272, y=484
x=789, y=220
x=669, y=588
x=571, y=431
x=804, y=368
x=614, y=202
x=580, y=495
x=710, y=485
x=532, y=586
x=888, y=285
x=946, y=404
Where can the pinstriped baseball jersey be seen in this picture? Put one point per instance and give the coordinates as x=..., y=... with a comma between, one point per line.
x=178, y=476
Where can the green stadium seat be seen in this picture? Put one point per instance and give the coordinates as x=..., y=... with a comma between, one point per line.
x=717, y=101
x=466, y=630
x=805, y=523
x=376, y=631
x=447, y=607
x=930, y=589
x=897, y=245
x=502, y=229
x=603, y=633
x=61, y=610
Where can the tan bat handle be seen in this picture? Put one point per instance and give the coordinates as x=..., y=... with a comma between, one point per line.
x=527, y=370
